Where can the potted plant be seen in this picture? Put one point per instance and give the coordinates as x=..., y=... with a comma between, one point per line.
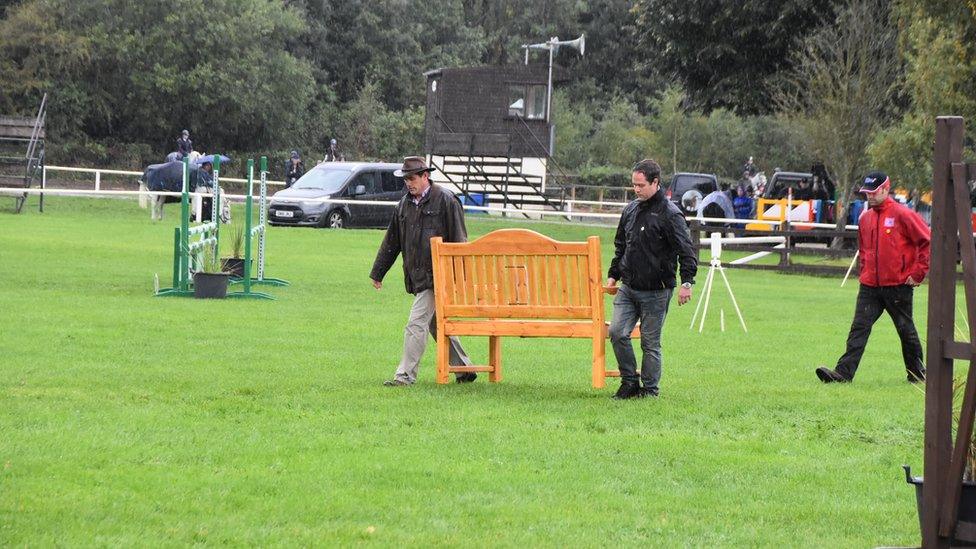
x=210, y=281
x=967, y=499
x=235, y=264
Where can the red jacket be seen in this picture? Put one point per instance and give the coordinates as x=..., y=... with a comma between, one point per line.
x=894, y=244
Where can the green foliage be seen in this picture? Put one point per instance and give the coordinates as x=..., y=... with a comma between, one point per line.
x=141, y=72
x=237, y=242
x=605, y=176
x=727, y=54
x=939, y=79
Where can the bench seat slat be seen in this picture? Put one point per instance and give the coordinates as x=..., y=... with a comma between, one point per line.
x=518, y=311
x=518, y=328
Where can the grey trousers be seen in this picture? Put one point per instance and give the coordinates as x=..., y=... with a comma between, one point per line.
x=422, y=321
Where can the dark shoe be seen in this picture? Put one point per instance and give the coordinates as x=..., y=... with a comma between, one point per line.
x=829, y=376
x=916, y=377
x=395, y=383
x=647, y=393
x=627, y=390
x=466, y=377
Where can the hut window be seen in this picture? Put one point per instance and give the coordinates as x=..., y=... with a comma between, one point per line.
x=527, y=101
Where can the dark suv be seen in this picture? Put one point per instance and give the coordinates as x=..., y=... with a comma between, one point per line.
x=301, y=204
x=687, y=190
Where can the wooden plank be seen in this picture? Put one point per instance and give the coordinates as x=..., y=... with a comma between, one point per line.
x=465, y=369
x=514, y=248
x=964, y=432
x=564, y=292
x=543, y=280
x=461, y=295
x=467, y=263
x=582, y=276
x=517, y=311
x=519, y=328
x=941, y=314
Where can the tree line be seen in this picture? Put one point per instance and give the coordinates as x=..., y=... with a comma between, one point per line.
x=699, y=84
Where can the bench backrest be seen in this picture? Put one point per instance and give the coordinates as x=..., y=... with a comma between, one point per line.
x=517, y=273
x=19, y=126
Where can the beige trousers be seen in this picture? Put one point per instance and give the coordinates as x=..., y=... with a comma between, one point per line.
x=422, y=322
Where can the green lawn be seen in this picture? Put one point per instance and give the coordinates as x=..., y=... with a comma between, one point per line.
x=127, y=419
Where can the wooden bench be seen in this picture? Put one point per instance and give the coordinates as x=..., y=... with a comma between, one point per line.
x=516, y=282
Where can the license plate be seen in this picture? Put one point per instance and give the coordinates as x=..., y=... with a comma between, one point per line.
x=284, y=213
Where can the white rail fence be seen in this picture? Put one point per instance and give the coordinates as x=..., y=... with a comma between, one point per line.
x=569, y=212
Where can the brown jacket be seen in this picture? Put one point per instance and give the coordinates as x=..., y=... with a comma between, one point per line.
x=413, y=225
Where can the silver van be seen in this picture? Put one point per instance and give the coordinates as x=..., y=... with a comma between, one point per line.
x=302, y=205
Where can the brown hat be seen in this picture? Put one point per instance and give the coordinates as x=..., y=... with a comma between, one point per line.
x=413, y=165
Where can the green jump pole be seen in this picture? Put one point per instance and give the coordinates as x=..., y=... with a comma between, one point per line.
x=176, y=257
x=248, y=205
x=215, y=206
x=185, y=229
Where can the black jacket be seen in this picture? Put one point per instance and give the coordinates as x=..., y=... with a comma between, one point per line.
x=413, y=225
x=651, y=239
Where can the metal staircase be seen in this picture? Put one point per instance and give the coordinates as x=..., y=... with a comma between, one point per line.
x=22, y=154
x=483, y=164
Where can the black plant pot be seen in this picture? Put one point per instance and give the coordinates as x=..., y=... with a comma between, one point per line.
x=966, y=527
x=233, y=265
x=210, y=285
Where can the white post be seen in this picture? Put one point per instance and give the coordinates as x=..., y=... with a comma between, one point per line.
x=98, y=180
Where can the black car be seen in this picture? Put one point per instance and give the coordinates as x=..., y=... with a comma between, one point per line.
x=687, y=190
x=303, y=203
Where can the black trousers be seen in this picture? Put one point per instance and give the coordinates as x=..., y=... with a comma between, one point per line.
x=871, y=302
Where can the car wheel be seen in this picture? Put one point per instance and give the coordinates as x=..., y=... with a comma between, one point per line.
x=335, y=220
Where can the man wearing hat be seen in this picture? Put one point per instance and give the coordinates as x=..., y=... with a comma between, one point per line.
x=426, y=211
x=294, y=168
x=183, y=144
x=894, y=253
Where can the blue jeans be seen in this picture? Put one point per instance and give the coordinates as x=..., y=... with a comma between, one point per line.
x=650, y=307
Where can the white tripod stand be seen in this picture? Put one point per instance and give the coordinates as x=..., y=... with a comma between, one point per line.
x=716, y=265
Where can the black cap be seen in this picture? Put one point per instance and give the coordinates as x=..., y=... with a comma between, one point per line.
x=874, y=181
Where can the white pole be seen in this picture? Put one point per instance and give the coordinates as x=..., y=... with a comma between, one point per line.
x=701, y=299
x=98, y=180
x=849, y=269
x=708, y=296
x=734, y=304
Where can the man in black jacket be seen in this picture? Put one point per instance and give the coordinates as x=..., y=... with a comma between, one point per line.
x=425, y=212
x=652, y=238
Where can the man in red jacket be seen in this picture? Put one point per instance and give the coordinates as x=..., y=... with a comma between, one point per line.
x=894, y=252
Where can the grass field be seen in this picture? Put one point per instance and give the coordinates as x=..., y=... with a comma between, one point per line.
x=132, y=420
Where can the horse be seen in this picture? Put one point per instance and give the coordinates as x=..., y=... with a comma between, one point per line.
x=168, y=177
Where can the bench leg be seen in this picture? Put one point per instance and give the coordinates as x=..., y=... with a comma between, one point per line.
x=599, y=359
x=443, y=352
x=495, y=358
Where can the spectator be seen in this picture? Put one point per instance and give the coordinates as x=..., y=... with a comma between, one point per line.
x=183, y=144
x=803, y=191
x=894, y=254
x=742, y=204
x=749, y=167
x=294, y=168
x=334, y=154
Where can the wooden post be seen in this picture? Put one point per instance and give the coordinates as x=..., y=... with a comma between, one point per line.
x=443, y=345
x=495, y=358
x=941, y=321
x=595, y=276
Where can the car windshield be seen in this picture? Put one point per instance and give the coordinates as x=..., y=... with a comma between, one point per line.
x=329, y=180
x=684, y=183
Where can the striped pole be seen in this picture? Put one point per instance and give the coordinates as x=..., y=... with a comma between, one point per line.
x=185, y=229
x=248, y=204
